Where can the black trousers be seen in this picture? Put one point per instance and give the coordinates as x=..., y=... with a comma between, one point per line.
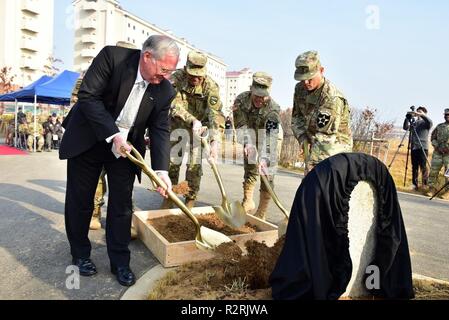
x=419, y=162
x=83, y=173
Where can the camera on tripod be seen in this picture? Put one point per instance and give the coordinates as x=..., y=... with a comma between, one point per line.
x=411, y=114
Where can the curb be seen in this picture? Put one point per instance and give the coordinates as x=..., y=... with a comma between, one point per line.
x=144, y=284
x=421, y=277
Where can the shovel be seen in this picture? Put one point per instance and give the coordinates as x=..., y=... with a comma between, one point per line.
x=305, y=148
x=282, y=228
x=206, y=239
x=233, y=214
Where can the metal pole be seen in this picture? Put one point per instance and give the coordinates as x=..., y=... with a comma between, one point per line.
x=15, y=126
x=35, y=123
x=408, y=155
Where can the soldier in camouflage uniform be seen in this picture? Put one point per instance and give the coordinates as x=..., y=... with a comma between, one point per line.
x=440, y=158
x=258, y=126
x=196, y=104
x=321, y=114
x=33, y=134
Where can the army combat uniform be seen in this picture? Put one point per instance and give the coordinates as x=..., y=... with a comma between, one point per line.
x=33, y=132
x=261, y=128
x=440, y=158
x=202, y=103
x=320, y=117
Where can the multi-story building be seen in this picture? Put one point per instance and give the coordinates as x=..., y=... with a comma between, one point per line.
x=236, y=83
x=26, y=37
x=99, y=23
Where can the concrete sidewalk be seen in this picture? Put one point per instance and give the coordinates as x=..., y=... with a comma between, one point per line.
x=34, y=251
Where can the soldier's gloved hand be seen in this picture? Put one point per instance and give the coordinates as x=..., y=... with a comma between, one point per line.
x=164, y=177
x=263, y=167
x=197, y=127
x=213, y=156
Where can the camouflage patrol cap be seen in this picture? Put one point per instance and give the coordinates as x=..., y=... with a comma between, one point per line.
x=307, y=65
x=196, y=64
x=261, y=84
x=446, y=111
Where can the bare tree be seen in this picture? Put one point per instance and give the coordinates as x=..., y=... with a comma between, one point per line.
x=51, y=66
x=7, y=80
x=291, y=151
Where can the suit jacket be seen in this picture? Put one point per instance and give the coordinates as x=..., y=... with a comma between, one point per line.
x=101, y=98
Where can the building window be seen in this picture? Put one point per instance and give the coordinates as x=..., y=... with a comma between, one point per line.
x=129, y=25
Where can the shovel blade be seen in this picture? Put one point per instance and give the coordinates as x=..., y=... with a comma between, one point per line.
x=211, y=239
x=232, y=215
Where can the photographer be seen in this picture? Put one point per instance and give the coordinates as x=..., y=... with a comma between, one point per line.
x=419, y=125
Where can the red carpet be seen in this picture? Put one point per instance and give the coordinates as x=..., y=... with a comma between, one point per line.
x=8, y=151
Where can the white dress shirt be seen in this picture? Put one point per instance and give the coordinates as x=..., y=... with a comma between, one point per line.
x=132, y=112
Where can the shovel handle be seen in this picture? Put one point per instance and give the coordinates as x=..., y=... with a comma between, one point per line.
x=274, y=196
x=306, y=151
x=272, y=193
x=204, y=137
x=140, y=162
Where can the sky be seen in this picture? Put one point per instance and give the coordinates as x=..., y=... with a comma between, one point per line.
x=387, y=55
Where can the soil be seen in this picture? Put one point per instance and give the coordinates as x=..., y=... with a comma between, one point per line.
x=226, y=276
x=181, y=189
x=181, y=228
x=234, y=276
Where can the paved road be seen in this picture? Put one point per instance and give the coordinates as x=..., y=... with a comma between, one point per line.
x=34, y=252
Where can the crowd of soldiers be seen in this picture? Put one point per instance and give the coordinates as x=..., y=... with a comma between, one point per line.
x=43, y=133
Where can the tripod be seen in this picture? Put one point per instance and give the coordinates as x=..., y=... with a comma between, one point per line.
x=411, y=132
x=439, y=191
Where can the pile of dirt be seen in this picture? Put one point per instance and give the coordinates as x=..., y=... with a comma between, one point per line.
x=429, y=290
x=230, y=275
x=181, y=189
x=180, y=228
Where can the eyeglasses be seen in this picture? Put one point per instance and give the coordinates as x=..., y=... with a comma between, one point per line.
x=162, y=70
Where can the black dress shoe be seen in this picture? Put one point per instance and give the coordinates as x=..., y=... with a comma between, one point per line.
x=86, y=267
x=124, y=276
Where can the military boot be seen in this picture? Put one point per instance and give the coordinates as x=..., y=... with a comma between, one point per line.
x=95, y=221
x=248, y=202
x=190, y=203
x=263, y=205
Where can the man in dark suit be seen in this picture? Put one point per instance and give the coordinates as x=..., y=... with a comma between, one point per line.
x=123, y=93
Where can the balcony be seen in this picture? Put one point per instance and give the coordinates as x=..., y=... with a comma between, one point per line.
x=88, y=38
x=90, y=6
x=88, y=53
x=30, y=25
x=30, y=6
x=89, y=24
x=29, y=63
x=29, y=44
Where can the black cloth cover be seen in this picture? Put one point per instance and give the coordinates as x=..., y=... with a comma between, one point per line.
x=315, y=261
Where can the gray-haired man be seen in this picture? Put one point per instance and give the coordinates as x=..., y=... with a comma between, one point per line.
x=123, y=93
